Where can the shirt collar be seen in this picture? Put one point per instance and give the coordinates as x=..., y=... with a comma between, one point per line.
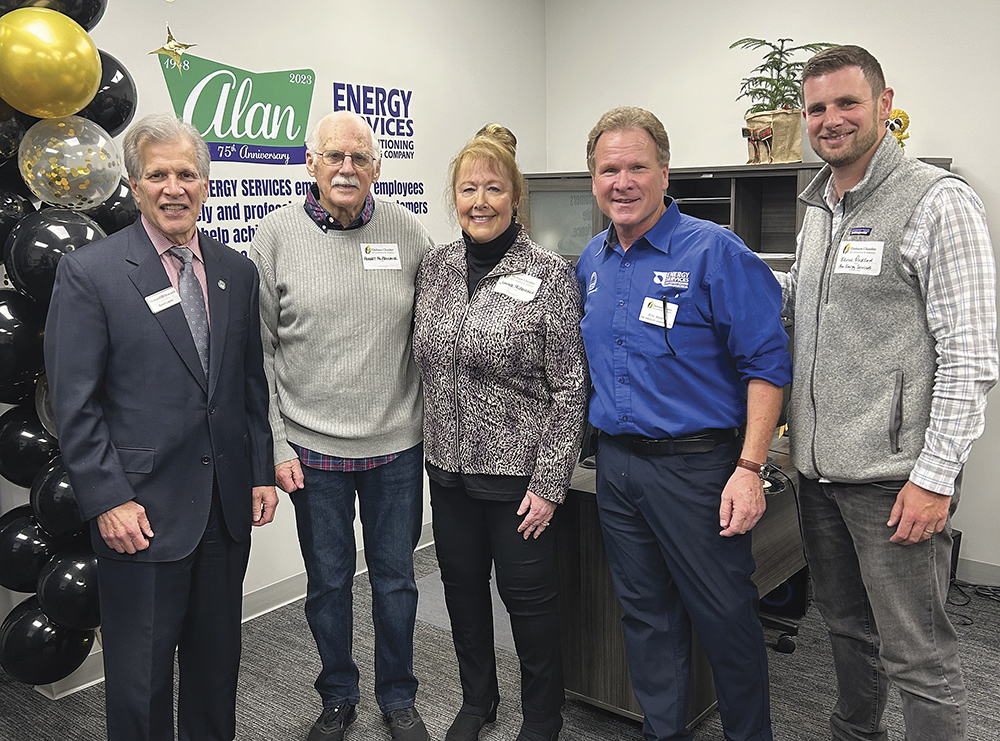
x=658, y=237
x=161, y=244
x=323, y=218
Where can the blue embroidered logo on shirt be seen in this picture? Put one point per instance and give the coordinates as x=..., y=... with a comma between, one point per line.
x=673, y=279
x=593, y=282
x=861, y=231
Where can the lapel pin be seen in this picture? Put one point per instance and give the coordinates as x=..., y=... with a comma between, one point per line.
x=222, y=285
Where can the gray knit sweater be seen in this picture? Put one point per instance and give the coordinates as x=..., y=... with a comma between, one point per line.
x=337, y=337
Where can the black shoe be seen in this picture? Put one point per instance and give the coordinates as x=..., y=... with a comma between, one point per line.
x=545, y=731
x=405, y=725
x=467, y=723
x=331, y=723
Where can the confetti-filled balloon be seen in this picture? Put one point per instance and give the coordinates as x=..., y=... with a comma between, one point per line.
x=35, y=650
x=51, y=67
x=70, y=162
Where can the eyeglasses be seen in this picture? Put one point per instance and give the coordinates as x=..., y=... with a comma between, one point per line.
x=335, y=158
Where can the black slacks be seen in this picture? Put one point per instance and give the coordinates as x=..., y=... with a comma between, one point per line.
x=194, y=606
x=471, y=535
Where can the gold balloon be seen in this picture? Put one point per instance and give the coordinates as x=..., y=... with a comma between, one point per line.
x=49, y=66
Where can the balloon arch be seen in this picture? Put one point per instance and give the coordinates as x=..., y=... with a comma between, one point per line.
x=62, y=100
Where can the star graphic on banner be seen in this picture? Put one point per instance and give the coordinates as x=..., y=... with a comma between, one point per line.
x=173, y=49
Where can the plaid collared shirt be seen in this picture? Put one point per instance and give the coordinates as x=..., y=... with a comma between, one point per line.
x=323, y=218
x=323, y=462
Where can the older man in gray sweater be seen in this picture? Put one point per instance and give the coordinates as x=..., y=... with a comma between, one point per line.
x=336, y=300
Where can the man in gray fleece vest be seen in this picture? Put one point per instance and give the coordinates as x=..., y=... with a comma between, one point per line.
x=893, y=294
x=336, y=301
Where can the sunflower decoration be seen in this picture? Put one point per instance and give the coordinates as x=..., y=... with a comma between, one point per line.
x=898, y=122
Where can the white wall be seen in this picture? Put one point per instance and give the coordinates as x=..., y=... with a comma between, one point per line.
x=674, y=59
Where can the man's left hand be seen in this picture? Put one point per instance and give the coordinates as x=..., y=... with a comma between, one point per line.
x=917, y=514
x=742, y=503
x=265, y=501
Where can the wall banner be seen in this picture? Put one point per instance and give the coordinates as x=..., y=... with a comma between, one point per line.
x=243, y=116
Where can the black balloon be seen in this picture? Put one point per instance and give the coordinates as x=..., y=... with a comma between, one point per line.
x=37, y=243
x=35, y=650
x=43, y=405
x=11, y=132
x=25, y=446
x=114, y=105
x=67, y=590
x=12, y=514
x=11, y=180
x=85, y=12
x=118, y=211
x=24, y=549
x=13, y=208
x=53, y=501
x=20, y=346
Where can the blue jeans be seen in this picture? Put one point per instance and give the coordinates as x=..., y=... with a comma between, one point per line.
x=671, y=570
x=391, y=499
x=884, y=607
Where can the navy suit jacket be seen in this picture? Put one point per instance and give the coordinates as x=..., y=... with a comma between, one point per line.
x=136, y=417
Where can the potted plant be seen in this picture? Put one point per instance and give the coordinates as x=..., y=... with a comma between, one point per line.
x=773, y=128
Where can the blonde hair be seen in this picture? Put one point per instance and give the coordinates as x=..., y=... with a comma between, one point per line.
x=630, y=117
x=496, y=145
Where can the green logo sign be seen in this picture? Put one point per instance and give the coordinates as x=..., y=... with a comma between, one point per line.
x=244, y=116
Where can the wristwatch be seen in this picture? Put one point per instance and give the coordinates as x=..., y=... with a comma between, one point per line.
x=757, y=468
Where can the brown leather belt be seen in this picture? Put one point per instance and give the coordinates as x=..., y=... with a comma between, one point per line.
x=696, y=442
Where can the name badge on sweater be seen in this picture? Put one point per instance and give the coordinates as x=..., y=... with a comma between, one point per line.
x=520, y=286
x=161, y=300
x=380, y=257
x=652, y=312
x=859, y=258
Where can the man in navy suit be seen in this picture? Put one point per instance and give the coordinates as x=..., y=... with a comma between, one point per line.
x=153, y=354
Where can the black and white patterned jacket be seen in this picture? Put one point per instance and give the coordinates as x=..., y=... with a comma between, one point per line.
x=504, y=373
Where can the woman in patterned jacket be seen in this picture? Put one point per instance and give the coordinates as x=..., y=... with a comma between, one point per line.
x=497, y=339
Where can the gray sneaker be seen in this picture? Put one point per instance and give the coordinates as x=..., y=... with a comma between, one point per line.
x=331, y=723
x=405, y=725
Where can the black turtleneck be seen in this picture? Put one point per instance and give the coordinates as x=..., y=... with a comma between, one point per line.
x=481, y=258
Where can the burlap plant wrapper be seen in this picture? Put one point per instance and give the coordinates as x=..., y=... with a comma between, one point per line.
x=774, y=137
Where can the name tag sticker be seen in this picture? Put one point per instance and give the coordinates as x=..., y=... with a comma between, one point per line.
x=859, y=258
x=161, y=300
x=652, y=312
x=522, y=287
x=380, y=257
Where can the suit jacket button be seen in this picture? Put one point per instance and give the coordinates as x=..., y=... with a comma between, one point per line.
x=206, y=460
x=211, y=409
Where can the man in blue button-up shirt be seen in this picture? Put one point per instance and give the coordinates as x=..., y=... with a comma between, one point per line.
x=686, y=346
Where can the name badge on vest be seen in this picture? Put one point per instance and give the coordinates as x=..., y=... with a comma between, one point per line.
x=161, y=300
x=653, y=312
x=380, y=257
x=859, y=258
x=522, y=287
